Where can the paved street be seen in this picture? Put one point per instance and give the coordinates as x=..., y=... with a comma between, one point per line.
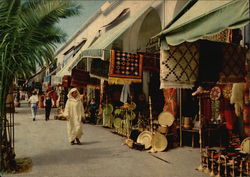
x=101, y=155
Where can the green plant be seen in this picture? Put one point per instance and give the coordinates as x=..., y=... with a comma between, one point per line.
x=28, y=37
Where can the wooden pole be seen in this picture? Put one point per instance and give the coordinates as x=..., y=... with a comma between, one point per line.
x=180, y=100
x=151, y=116
x=200, y=168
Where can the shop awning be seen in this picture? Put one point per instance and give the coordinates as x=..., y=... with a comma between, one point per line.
x=101, y=47
x=202, y=18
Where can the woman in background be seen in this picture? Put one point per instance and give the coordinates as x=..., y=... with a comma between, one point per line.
x=33, y=100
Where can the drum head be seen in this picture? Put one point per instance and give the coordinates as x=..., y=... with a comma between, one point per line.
x=159, y=142
x=145, y=138
x=166, y=118
x=245, y=145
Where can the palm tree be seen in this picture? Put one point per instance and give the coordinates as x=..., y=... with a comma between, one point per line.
x=28, y=37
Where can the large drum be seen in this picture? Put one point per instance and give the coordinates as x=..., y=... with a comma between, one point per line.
x=145, y=138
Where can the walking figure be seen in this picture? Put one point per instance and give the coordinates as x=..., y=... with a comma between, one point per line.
x=93, y=107
x=74, y=112
x=48, y=102
x=33, y=100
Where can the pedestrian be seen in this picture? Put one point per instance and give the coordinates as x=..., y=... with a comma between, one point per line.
x=74, y=112
x=92, y=108
x=48, y=102
x=33, y=100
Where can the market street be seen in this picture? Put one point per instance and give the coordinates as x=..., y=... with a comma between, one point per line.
x=101, y=154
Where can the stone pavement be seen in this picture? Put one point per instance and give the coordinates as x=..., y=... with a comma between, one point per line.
x=101, y=154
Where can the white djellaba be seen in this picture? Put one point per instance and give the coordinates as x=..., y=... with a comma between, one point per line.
x=74, y=112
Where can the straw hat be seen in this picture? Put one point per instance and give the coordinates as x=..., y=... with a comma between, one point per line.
x=245, y=145
x=165, y=118
x=159, y=142
x=130, y=115
x=145, y=138
x=117, y=111
x=117, y=122
x=107, y=109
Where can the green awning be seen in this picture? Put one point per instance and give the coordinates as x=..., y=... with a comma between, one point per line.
x=101, y=47
x=204, y=17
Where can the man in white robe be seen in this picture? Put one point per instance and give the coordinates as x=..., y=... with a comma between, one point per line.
x=74, y=112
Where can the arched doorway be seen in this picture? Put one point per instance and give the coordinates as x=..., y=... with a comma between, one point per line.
x=150, y=26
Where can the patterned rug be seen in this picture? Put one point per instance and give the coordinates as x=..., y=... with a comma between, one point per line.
x=99, y=69
x=125, y=68
x=80, y=78
x=233, y=65
x=202, y=63
x=179, y=66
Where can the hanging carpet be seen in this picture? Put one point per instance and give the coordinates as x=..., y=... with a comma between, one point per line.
x=233, y=65
x=80, y=78
x=99, y=69
x=202, y=62
x=179, y=65
x=125, y=68
x=65, y=81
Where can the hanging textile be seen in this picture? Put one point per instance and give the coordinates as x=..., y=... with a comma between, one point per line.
x=237, y=99
x=246, y=109
x=179, y=66
x=233, y=64
x=80, y=78
x=65, y=81
x=151, y=62
x=202, y=62
x=125, y=68
x=125, y=93
x=94, y=83
x=223, y=36
x=99, y=69
x=206, y=109
x=170, y=96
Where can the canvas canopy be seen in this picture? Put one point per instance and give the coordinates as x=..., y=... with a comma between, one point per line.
x=201, y=18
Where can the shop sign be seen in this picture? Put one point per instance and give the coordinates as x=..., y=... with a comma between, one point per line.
x=152, y=46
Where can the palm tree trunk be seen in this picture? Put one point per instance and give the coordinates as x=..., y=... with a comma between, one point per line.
x=7, y=156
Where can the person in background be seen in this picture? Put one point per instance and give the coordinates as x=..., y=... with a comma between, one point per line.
x=33, y=100
x=74, y=112
x=92, y=108
x=48, y=102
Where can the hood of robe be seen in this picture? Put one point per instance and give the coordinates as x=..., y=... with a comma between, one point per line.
x=70, y=97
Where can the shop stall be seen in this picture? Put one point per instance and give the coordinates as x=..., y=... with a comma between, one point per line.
x=210, y=67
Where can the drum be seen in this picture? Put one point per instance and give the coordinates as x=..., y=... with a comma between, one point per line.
x=159, y=142
x=187, y=122
x=245, y=145
x=166, y=118
x=145, y=138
